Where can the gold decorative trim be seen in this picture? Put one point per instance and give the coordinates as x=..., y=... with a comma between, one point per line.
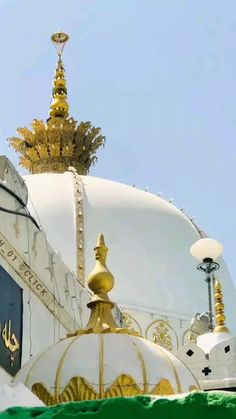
x=100, y=282
x=58, y=144
x=219, y=310
x=124, y=385
x=80, y=242
x=163, y=388
x=193, y=388
x=189, y=336
x=162, y=336
x=34, y=362
x=43, y=394
x=79, y=389
x=59, y=369
x=179, y=390
x=143, y=367
x=130, y=322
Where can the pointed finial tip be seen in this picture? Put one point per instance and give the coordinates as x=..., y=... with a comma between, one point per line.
x=101, y=240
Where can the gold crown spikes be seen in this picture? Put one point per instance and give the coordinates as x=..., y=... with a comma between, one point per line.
x=57, y=145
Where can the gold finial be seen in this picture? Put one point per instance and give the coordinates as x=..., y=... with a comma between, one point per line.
x=59, y=106
x=219, y=310
x=59, y=39
x=100, y=282
x=59, y=143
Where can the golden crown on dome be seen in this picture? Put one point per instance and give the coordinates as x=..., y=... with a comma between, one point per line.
x=61, y=142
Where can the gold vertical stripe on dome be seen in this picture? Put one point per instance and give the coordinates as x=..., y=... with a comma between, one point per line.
x=143, y=367
x=36, y=359
x=79, y=220
x=101, y=366
x=59, y=369
x=173, y=368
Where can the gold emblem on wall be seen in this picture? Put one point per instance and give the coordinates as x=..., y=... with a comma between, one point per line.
x=161, y=333
x=189, y=336
x=10, y=340
x=161, y=336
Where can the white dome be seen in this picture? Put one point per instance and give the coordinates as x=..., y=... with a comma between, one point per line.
x=106, y=365
x=149, y=239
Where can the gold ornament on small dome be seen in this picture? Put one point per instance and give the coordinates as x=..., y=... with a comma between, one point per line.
x=100, y=282
x=219, y=310
x=59, y=143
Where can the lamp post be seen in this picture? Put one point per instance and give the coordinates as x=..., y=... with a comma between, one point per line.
x=207, y=251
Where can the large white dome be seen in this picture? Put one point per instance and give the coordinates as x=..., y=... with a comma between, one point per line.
x=156, y=277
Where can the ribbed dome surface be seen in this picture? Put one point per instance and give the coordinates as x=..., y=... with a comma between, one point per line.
x=96, y=366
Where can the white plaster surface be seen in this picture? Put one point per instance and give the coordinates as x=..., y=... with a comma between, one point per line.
x=148, y=239
x=217, y=354
x=208, y=340
x=40, y=328
x=19, y=395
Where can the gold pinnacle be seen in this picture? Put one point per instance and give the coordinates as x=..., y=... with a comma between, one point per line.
x=59, y=40
x=100, y=282
x=219, y=310
x=61, y=142
x=59, y=106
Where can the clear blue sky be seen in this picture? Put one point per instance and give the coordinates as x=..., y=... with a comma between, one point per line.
x=159, y=77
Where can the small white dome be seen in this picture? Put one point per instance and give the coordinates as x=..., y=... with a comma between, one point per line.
x=92, y=366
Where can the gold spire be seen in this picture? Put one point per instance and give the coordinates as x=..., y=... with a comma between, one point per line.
x=59, y=143
x=100, y=282
x=219, y=310
x=59, y=105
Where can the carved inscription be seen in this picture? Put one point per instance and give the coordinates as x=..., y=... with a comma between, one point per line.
x=37, y=286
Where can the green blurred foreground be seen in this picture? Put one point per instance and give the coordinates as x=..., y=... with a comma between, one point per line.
x=193, y=406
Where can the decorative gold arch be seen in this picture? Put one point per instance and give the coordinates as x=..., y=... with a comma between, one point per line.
x=189, y=336
x=132, y=324
x=163, y=334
